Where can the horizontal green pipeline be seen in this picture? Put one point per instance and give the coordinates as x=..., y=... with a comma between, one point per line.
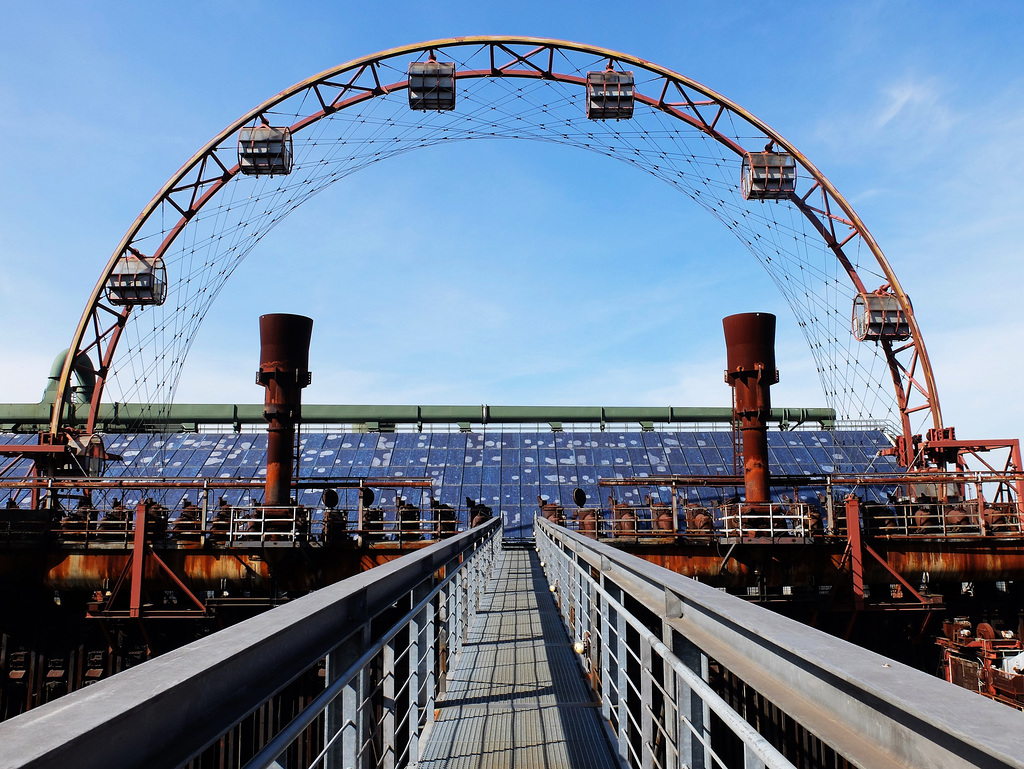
x=119, y=417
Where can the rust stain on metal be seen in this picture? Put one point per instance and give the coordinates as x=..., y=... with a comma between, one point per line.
x=826, y=563
x=88, y=571
x=750, y=348
x=284, y=371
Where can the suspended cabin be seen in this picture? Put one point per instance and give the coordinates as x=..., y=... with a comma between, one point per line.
x=264, y=151
x=136, y=280
x=768, y=175
x=879, y=317
x=432, y=86
x=609, y=95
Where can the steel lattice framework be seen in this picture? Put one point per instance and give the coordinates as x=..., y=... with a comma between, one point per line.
x=208, y=216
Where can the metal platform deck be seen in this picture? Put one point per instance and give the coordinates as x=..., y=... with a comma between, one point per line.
x=516, y=696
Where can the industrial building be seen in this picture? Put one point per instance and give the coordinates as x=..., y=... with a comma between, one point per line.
x=134, y=526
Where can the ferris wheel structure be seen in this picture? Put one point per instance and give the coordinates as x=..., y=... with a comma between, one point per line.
x=150, y=299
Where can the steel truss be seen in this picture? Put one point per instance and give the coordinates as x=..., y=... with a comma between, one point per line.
x=346, y=87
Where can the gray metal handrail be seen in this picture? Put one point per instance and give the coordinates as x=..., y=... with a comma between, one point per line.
x=166, y=711
x=346, y=738
x=870, y=710
x=613, y=642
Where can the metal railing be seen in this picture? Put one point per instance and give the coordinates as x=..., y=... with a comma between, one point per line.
x=970, y=517
x=664, y=653
x=782, y=521
x=659, y=709
x=376, y=705
x=231, y=525
x=382, y=642
x=773, y=520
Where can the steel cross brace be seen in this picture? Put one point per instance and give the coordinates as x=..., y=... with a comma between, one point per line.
x=136, y=567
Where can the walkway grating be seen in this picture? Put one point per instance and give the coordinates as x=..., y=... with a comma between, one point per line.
x=516, y=697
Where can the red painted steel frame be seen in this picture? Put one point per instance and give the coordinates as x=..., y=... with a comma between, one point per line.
x=205, y=174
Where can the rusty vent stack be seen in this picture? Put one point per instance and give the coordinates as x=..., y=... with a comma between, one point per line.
x=284, y=372
x=750, y=351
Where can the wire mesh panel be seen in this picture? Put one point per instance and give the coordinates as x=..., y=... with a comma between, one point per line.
x=208, y=218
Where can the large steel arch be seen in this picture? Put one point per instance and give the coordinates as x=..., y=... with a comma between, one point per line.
x=666, y=98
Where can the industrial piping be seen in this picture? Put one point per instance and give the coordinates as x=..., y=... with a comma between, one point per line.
x=284, y=372
x=750, y=353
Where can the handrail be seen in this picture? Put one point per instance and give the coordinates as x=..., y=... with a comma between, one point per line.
x=872, y=710
x=674, y=733
x=166, y=711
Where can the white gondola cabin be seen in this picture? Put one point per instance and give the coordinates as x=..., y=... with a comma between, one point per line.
x=768, y=175
x=609, y=95
x=264, y=151
x=877, y=317
x=137, y=280
x=432, y=86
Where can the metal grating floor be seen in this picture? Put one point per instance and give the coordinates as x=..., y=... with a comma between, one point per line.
x=516, y=697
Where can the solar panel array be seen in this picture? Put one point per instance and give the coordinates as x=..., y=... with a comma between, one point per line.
x=505, y=470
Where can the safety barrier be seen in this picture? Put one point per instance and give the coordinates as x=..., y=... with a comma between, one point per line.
x=230, y=526
x=652, y=641
x=658, y=708
x=382, y=641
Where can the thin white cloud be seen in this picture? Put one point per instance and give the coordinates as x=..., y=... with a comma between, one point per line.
x=929, y=159
x=916, y=102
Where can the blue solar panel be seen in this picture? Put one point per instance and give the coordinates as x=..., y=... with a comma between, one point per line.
x=491, y=474
x=403, y=441
x=505, y=470
x=724, y=441
x=676, y=460
x=712, y=459
x=510, y=440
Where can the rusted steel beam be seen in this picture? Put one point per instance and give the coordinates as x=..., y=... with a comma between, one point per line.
x=875, y=479
x=856, y=549
x=822, y=563
x=138, y=559
x=773, y=565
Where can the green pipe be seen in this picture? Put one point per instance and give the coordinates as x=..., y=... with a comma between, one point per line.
x=121, y=417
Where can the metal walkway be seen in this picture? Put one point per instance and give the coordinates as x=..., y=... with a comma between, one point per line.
x=458, y=655
x=516, y=696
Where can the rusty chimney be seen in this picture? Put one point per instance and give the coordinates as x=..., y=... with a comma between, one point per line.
x=750, y=345
x=284, y=371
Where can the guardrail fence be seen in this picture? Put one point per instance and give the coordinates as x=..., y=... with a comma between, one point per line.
x=689, y=676
x=659, y=708
x=368, y=656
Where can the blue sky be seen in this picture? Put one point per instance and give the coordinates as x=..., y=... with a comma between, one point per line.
x=465, y=274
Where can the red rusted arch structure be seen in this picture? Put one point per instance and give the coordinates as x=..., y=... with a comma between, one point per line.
x=352, y=83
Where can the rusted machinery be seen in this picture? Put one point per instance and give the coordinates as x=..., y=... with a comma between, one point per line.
x=750, y=350
x=984, y=660
x=822, y=548
x=284, y=372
